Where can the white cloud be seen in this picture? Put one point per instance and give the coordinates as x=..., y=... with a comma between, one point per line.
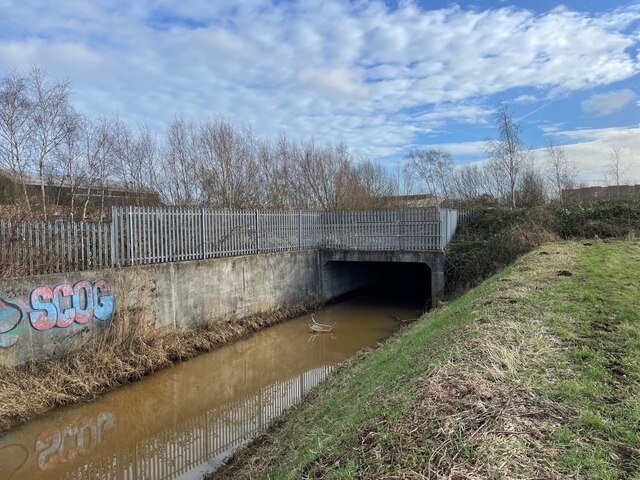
x=609, y=102
x=352, y=71
x=444, y=114
x=590, y=148
x=526, y=99
x=476, y=149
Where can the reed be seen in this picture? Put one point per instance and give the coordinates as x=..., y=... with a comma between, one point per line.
x=129, y=349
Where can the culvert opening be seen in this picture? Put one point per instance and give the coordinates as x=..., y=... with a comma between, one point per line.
x=385, y=282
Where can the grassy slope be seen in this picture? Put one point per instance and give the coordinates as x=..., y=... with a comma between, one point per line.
x=532, y=374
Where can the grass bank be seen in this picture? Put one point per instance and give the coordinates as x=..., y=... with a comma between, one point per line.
x=129, y=351
x=533, y=374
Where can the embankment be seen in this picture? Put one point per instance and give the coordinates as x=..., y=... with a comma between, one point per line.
x=130, y=349
x=533, y=374
x=49, y=315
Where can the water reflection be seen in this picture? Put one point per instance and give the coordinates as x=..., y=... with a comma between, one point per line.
x=184, y=421
x=55, y=446
x=195, y=445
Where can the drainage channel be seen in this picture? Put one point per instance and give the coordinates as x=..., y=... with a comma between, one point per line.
x=184, y=421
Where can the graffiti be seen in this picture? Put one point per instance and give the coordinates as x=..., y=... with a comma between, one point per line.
x=11, y=324
x=65, y=304
x=63, y=445
x=58, y=307
x=10, y=315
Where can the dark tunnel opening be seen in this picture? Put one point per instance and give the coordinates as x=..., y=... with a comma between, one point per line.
x=388, y=282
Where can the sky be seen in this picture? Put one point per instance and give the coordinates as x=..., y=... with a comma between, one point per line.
x=384, y=77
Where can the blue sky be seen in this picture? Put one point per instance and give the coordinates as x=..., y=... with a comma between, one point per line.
x=384, y=77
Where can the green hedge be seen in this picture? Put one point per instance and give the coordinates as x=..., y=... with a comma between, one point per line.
x=599, y=219
x=494, y=238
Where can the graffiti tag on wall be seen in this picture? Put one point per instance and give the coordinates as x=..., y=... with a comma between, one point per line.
x=58, y=307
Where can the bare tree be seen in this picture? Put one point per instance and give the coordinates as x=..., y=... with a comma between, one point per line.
x=228, y=167
x=327, y=176
x=16, y=128
x=617, y=168
x=474, y=184
x=434, y=167
x=507, y=154
x=405, y=183
x=562, y=172
x=376, y=184
x=51, y=113
x=180, y=179
x=68, y=161
x=531, y=191
x=135, y=153
x=278, y=185
x=99, y=159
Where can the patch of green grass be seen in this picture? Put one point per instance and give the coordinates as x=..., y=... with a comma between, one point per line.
x=598, y=318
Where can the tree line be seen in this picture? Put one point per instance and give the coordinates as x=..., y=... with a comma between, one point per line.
x=207, y=163
x=510, y=176
x=214, y=163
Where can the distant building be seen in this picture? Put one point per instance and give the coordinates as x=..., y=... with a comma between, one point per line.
x=591, y=194
x=59, y=190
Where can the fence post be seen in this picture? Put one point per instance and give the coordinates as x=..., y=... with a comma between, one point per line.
x=114, y=226
x=256, y=222
x=203, y=235
x=130, y=234
x=299, y=229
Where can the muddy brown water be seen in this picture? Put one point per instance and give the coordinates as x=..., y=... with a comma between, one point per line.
x=181, y=423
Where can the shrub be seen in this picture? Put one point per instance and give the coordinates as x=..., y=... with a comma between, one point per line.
x=494, y=238
x=491, y=240
x=617, y=218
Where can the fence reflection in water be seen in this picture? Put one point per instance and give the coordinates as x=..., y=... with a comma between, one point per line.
x=187, y=450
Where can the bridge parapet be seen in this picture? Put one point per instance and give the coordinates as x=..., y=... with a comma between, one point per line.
x=143, y=235
x=413, y=230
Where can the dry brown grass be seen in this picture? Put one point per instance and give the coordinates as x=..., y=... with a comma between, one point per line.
x=473, y=416
x=468, y=427
x=129, y=350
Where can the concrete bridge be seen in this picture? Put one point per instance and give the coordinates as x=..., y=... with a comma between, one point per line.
x=360, y=238
x=353, y=245
x=185, y=266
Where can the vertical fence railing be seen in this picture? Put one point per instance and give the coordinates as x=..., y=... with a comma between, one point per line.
x=32, y=248
x=144, y=235
x=418, y=229
x=464, y=215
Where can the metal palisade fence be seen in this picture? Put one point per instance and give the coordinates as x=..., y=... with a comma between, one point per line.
x=142, y=235
x=464, y=215
x=145, y=235
x=417, y=229
x=31, y=248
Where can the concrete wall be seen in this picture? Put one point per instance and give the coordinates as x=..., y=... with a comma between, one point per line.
x=174, y=294
x=187, y=293
x=49, y=314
